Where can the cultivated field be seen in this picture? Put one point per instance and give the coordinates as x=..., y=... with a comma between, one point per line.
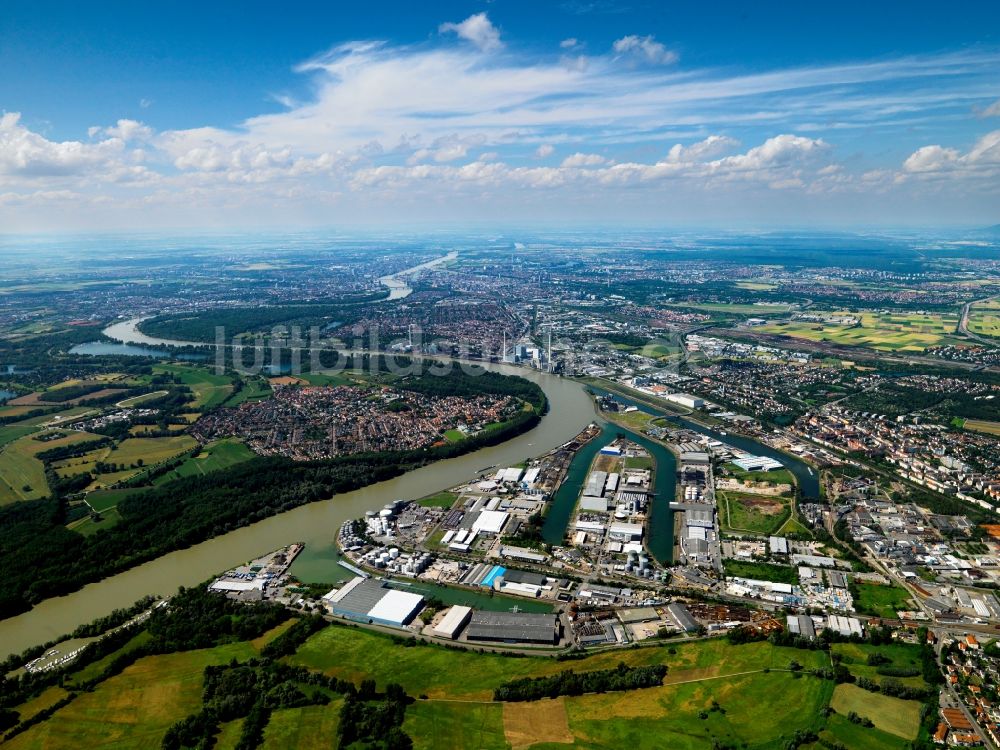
x=22, y=475
x=209, y=390
x=133, y=709
x=981, y=425
x=984, y=318
x=306, y=728
x=737, y=309
x=140, y=399
x=713, y=695
x=440, y=500
x=435, y=724
x=898, y=717
x=854, y=656
x=129, y=457
x=219, y=454
x=903, y=332
x=255, y=389
x=101, y=500
x=355, y=654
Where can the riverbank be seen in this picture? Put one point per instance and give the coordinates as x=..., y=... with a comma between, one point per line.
x=805, y=475
x=316, y=524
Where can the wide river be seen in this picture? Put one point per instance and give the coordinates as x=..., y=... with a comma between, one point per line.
x=316, y=524
x=570, y=410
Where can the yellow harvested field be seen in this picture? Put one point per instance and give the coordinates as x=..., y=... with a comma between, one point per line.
x=527, y=724
x=981, y=425
x=150, y=450
x=287, y=380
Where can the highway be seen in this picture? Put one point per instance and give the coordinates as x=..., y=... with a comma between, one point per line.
x=963, y=323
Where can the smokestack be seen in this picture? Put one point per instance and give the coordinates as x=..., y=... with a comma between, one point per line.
x=550, y=347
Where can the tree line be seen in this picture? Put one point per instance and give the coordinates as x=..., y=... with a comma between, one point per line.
x=569, y=682
x=41, y=558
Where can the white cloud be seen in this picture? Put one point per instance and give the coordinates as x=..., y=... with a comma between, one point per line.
x=368, y=92
x=27, y=154
x=982, y=160
x=646, y=48
x=127, y=130
x=571, y=43
x=780, y=151
x=781, y=163
x=992, y=111
x=714, y=145
x=242, y=158
x=380, y=117
x=930, y=159
x=446, y=153
x=583, y=160
x=450, y=153
x=477, y=29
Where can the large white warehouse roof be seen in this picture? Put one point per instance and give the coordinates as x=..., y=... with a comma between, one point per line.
x=490, y=522
x=396, y=607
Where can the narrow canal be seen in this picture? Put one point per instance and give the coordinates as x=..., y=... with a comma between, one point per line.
x=660, y=540
x=804, y=474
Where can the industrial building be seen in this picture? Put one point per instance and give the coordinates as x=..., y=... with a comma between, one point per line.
x=512, y=474
x=814, y=561
x=513, y=627
x=594, y=504
x=683, y=617
x=520, y=553
x=778, y=545
x=695, y=458
x=595, y=484
x=638, y=614
x=453, y=622
x=700, y=516
x=801, y=625
x=837, y=579
x=686, y=399
x=490, y=522
x=757, y=463
x=627, y=532
x=845, y=625
x=368, y=600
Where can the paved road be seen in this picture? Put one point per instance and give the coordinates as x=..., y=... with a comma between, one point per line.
x=963, y=323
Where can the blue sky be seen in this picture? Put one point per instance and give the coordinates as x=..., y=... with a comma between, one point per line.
x=128, y=115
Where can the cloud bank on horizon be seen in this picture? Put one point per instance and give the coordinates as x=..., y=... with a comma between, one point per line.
x=469, y=126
